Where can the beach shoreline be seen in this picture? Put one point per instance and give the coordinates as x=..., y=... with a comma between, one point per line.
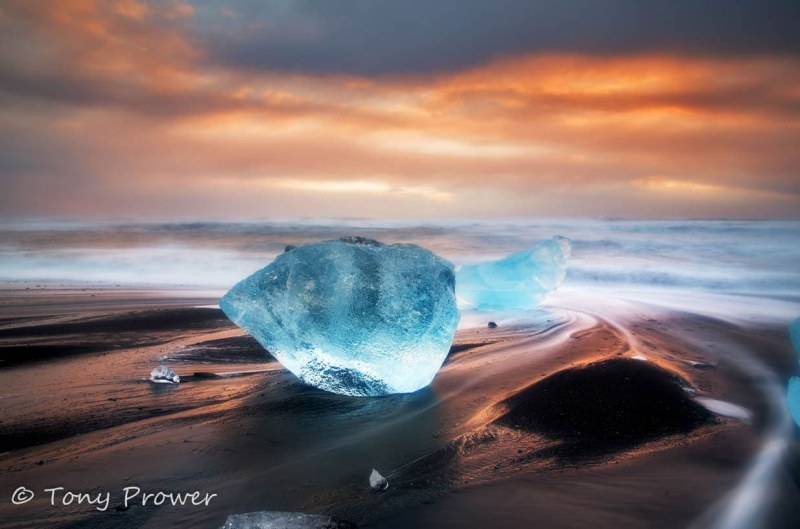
x=81, y=415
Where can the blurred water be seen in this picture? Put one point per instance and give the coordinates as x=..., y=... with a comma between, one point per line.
x=745, y=257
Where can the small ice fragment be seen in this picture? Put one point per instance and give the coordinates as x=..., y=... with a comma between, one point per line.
x=516, y=282
x=699, y=365
x=377, y=482
x=794, y=334
x=352, y=316
x=726, y=409
x=793, y=399
x=164, y=375
x=284, y=520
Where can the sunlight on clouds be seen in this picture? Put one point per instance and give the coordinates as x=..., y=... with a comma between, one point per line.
x=449, y=146
x=658, y=183
x=244, y=125
x=332, y=186
x=360, y=186
x=131, y=8
x=704, y=190
x=529, y=131
x=613, y=77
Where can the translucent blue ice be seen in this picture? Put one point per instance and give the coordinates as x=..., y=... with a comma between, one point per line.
x=793, y=398
x=164, y=374
x=516, y=282
x=793, y=390
x=352, y=316
x=283, y=520
x=794, y=334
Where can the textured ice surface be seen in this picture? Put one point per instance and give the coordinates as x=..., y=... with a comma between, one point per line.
x=793, y=389
x=793, y=398
x=352, y=316
x=516, y=282
x=283, y=520
x=163, y=374
x=377, y=482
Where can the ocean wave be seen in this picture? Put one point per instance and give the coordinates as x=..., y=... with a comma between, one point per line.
x=719, y=256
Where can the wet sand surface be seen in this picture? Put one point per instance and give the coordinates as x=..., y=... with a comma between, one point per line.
x=563, y=418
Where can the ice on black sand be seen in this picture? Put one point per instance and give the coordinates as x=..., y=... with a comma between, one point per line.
x=164, y=375
x=378, y=482
x=284, y=520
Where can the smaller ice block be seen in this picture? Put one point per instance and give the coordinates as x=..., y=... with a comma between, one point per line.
x=516, y=282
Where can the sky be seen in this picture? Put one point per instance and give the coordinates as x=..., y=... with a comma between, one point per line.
x=399, y=109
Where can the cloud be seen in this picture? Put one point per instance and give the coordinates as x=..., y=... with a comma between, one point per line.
x=699, y=190
x=371, y=187
x=363, y=37
x=122, y=108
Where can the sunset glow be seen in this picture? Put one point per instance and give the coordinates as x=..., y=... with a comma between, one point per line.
x=122, y=108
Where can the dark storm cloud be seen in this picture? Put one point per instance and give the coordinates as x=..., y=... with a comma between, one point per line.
x=369, y=37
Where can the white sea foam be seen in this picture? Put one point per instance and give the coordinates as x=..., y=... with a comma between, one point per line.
x=672, y=263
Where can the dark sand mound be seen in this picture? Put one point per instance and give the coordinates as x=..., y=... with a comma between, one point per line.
x=605, y=407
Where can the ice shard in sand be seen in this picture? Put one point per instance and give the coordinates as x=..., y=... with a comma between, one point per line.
x=516, y=282
x=377, y=481
x=283, y=520
x=164, y=375
x=352, y=316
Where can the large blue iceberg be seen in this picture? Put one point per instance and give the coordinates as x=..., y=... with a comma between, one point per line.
x=516, y=282
x=358, y=317
x=352, y=316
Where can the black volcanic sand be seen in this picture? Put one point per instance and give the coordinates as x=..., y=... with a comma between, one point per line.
x=605, y=407
x=546, y=423
x=25, y=340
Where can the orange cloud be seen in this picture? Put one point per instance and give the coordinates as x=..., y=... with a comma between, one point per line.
x=137, y=108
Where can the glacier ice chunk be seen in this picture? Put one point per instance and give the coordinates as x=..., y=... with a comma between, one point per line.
x=516, y=282
x=284, y=520
x=794, y=334
x=793, y=399
x=164, y=375
x=352, y=316
x=378, y=482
